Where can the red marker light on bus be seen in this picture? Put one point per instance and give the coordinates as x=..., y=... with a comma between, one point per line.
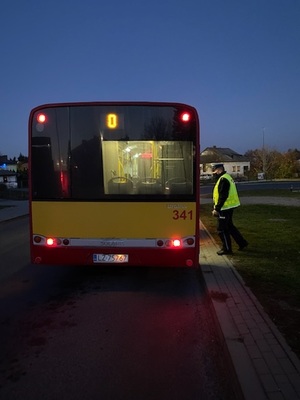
x=41, y=118
x=185, y=117
x=189, y=262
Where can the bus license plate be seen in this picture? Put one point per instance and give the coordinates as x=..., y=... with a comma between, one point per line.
x=110, y=258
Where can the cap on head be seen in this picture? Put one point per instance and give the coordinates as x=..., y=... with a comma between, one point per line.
x=217, y=166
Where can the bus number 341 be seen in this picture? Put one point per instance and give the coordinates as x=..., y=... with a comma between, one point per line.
x=178, y=214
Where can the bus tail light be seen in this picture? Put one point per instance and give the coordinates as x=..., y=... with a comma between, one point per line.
x=171, y=243
x=50, y=242
x=175, y=243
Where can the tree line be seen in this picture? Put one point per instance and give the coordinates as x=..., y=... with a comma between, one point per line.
x=274, y=164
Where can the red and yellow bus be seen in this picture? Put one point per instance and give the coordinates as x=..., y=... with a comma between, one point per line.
x=114, y=183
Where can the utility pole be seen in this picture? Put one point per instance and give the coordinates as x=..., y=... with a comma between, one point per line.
x=263, y=152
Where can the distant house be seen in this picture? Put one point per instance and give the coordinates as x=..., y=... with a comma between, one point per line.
x=9, y=179
x=8, y=165
x=8, y=173
x=235, y=164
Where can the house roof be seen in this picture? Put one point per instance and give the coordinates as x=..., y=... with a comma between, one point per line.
x=3, y=159
x=220, y=154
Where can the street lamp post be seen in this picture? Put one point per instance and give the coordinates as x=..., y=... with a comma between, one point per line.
x=263, y=152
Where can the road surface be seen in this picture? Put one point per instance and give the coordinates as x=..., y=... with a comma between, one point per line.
x=104, y=333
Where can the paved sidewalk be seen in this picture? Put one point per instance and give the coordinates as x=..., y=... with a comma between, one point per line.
x=13, y=209
x=265, y=366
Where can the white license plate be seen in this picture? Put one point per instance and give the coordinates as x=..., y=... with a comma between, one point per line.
x=110, y=258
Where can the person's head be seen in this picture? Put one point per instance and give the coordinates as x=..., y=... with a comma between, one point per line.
x=217, y=169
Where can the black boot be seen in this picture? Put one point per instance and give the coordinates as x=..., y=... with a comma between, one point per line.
x=223, y=252
x=243, y=245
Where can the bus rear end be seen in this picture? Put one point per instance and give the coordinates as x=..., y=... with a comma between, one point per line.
x=114, y=183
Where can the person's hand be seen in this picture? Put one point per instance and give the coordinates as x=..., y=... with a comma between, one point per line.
x=215, y=213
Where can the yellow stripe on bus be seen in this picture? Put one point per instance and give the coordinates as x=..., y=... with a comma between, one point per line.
x=114, y=219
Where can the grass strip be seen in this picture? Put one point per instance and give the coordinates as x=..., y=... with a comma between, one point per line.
x=270, y=265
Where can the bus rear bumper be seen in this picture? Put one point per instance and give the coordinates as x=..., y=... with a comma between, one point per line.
x=183, y=257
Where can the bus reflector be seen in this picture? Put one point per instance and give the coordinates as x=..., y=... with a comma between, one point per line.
x=189, y=263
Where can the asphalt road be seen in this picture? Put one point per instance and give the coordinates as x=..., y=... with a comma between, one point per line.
x=104, y=333
x=14, y=245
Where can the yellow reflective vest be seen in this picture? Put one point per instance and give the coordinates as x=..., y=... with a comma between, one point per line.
x=232, y=200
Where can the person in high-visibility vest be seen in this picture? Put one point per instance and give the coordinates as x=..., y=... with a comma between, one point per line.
x=226, y=199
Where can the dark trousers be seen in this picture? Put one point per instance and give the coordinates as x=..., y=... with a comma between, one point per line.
x=226, y=230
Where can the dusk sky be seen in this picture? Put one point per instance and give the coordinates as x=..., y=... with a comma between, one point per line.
x=236, y=61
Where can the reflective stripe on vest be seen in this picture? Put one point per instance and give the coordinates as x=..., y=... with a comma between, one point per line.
x=232, y=199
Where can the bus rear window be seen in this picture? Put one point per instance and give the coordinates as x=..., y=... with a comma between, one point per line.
x=147, y=167
x=108, y=151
